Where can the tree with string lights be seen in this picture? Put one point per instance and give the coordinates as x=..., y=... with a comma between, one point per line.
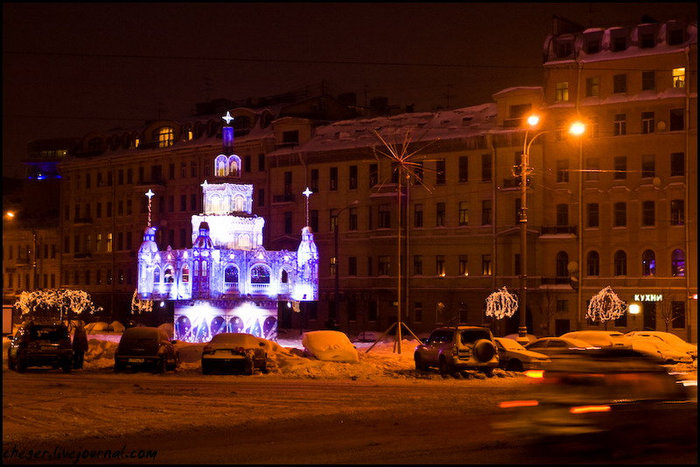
x=605, y=306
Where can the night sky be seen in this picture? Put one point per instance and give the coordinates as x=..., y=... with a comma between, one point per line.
x=72, y=68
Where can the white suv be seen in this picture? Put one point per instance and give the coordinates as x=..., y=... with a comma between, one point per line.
x=458, y=348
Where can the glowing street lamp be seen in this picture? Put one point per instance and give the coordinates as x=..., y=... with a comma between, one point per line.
x=533, y=120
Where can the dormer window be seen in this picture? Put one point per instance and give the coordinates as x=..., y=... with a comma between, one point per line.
x=674, y=36
x=565, y=48
x=166, y=137
x=290, y=137
x=647, y=40
x=618, y=40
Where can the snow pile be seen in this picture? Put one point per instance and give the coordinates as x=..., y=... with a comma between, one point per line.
x=97, y=326
x=116, y=326
x=333, y=346
x=100, y=354
x=168, y=328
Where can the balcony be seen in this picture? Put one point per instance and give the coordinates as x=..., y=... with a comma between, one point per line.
x=82, y=256
x=281, y=199
x=258, y=288
x=558, y=230
x=83, y=221
x=151, y=181
x=556, y=280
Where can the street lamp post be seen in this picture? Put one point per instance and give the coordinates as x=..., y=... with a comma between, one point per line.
x=577, y=129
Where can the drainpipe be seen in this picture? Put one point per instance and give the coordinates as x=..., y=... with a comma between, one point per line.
x=686, y=207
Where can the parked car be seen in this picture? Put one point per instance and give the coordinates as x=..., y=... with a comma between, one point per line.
x=651, y=344
x=601, y=338
x=606, y=398
x=40, y=344
x=328, y=345
x=670, y=339
x=514, y=357
x=457, y=348
x=236, y=351
x=146, y=347
x=552, y=346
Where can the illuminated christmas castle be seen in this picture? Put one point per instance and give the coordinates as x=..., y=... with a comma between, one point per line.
x=227, y=281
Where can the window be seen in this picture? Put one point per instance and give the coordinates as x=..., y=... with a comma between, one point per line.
x=288, y=222
x=561, y=92
x=418, y=312
x=620, y=163
x=261, y=198
x=564, y=48
x=183, y=202
x=648, y=80
x=290, y=137
x=261, y=162
x=231, y=275
x=384, y=218
x=678, y=263
x=333, y=266
x=440, y=215
x=486, y=167
x=440, y=175
x=648, y=213
x=166, y=136
x=677, y=164
x=247, y=164
x=648, y=263
x=592, y=169
x=486, y=212
x=677, y=314
x=352, y=178
x=647, y=39
x=486, y=269
x=352, y=219
x=352, y=265
x=677, y=212
x=562, y=264
x=647, y=122
x=620, y=125
x=620, y=263
x=417, y=265
x=648, y=166
x=313, y=215
x=678, y=77
x=463, y=168
x=440, y=265
x=383, y=266
x=463, y=265
x=463, y=213
x=333, y=179
x=259, y=275
x=593, y=263
x=418, y=215
x=314, y=180
x=620, y=214
x=676, y=120
x=593, y=86
x=593, y=215
x=619, y=42
x=562, y=214
x=373, y=175
x=619, y=83
x=592, y=45
x=288, y=183
x=518, y=211
x=562, y=171
x=333, y=222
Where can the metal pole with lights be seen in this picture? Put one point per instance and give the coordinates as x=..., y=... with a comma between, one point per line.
x=577, y=129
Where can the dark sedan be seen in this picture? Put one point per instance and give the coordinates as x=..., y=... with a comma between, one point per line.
x=146, y=347
x=235, y=351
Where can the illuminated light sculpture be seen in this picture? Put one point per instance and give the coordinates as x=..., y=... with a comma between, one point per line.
x=501, y=304
x=605, y=306
x=227, y=281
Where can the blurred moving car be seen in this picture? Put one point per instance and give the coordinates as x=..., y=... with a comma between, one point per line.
x=332, y=346
x=514, y=357
x=235, y=351
x=555, y=345
x=601, y=338
x=670, y=339
x=608, y=398
x=40, y=344
x=146, y=346
x=458, y=348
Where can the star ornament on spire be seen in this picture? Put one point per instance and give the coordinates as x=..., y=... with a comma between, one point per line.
x=307, y=193
x=227, y=117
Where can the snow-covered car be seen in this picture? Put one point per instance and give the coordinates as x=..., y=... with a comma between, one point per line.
x=333, y=346
x=658, y=349
x=146, y=347
x=601, y=338
x=235, y=351
x=39, y=344
x=670, y=339
x=609, y=398
x=552, y=346
x=514, y=357
x=457, y=348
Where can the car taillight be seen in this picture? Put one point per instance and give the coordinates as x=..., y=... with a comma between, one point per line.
x=589, y=409
x=537, y=374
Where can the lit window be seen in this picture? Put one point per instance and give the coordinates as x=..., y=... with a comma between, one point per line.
x=679, y=77
x=648, y=263
x=562, y=92
x=678, y=263
x=166, y=136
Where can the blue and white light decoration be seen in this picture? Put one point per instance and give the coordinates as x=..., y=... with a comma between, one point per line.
x=227, y=281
